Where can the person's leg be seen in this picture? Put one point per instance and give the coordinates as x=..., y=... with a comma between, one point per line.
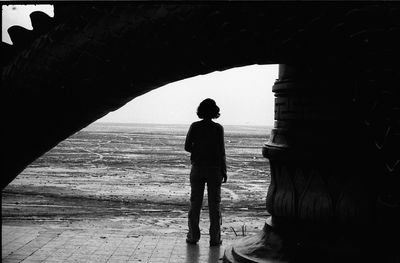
x=197, y=184
x=214, y=200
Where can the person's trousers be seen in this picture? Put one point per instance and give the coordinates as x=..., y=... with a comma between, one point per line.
x=199, y=176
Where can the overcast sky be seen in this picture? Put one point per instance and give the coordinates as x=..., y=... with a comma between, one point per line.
x=243, y=94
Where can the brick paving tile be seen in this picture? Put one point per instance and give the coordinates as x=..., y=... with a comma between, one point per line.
x=45, y=244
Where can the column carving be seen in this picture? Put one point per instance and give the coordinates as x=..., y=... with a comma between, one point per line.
x=323, y=193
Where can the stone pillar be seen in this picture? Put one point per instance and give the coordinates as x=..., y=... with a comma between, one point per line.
x=323, y=192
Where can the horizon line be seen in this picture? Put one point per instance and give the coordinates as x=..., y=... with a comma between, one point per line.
x=106, y=122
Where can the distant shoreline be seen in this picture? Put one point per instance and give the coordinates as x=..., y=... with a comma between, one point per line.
x=176, y=124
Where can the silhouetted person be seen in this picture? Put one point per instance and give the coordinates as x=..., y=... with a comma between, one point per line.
x=205, y=142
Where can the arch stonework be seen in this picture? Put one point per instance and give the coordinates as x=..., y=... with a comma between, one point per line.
x=334, y=149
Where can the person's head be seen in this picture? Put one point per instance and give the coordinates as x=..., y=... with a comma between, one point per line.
x=208, y=109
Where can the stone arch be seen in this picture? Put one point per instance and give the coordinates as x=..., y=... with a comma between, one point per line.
x=100, y=65
x=102, y=56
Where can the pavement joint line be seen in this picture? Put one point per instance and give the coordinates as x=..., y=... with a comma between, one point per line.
x=84, y=245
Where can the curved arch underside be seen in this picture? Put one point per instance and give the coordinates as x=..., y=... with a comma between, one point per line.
x=92, y=59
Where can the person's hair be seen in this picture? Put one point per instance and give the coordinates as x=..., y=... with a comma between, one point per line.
x=208, y=109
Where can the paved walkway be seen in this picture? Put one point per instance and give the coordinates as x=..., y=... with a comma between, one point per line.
x=45, y=244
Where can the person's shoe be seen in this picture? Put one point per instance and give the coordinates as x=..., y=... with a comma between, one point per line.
x=214, y=244
x=191, y=241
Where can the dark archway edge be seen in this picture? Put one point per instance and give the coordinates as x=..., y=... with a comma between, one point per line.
x=97, y=57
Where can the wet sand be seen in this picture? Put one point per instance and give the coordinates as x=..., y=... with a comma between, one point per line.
x=136, y=178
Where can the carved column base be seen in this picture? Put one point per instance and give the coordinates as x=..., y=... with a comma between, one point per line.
x=266, y=246
x=274, y=244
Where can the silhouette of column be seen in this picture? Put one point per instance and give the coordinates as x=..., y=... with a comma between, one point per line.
x=324, y=189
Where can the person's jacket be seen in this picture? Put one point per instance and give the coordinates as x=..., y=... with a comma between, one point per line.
x=205, y=142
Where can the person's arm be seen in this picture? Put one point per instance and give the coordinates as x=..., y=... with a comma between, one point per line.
x=189, y=140
x=223, y=157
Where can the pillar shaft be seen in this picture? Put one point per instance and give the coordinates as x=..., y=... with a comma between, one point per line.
x=317, y=156
x=323, y=191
